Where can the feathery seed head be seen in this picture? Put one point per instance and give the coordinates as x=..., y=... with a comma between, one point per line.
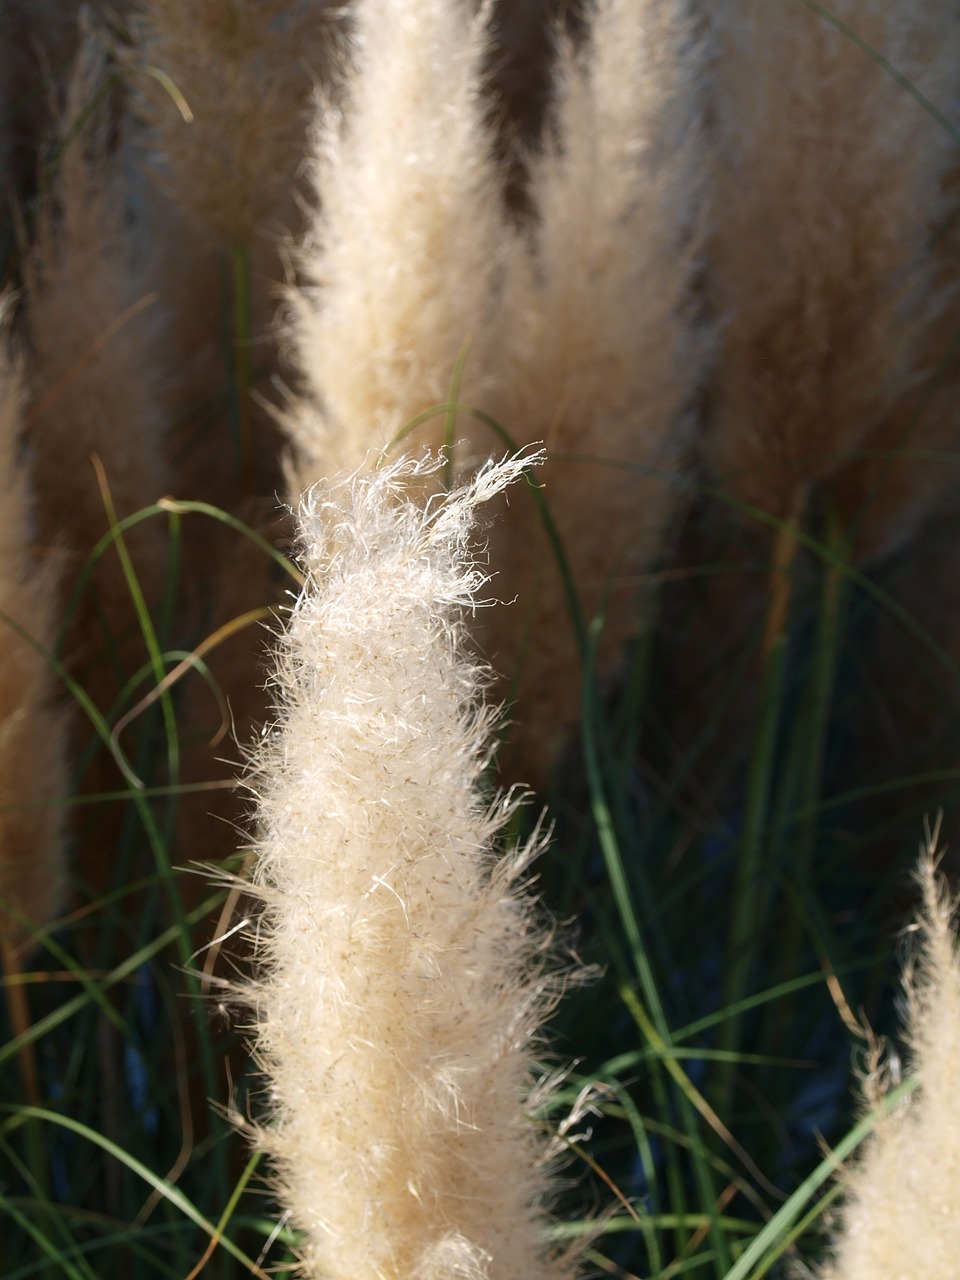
x=402, y=258
x=404, y=977
x=829, y=180
x=226, y=128
x=600, y=358
x=902, y=1215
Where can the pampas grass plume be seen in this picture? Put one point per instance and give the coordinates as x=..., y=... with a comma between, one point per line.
x=902, y=1216
x=400, y=261
x=223, y=101
x=599, y=353
x=94, y=367
x=95, y=344
x=828, y=182
x=226, y=130
x=404, y=979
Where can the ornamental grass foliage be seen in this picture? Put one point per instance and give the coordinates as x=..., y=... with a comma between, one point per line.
x=282, y=977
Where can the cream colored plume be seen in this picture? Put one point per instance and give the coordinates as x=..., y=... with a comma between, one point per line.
x=402, y=257
x=404, y=977
x=600, y=358
x=902, y=1215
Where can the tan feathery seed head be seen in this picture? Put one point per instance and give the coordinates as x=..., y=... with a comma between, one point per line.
x=902, y=1214
x=222, y=95
x=828, y=180
x=401, y=260
x=95, y=342
x=599, y=352
x=94, y=361
x=32, y=731
x=404, y=978
x=226, y=119
x=902, y=478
